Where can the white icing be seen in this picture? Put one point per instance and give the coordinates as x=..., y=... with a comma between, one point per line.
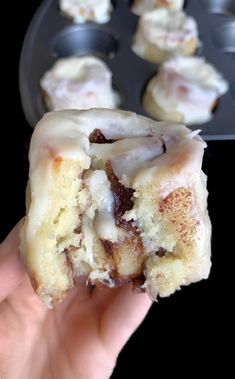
x=188, y=85
x=68, y=132
x=166, y=30
x=127, y=156
x=79, y=83
x=143, y=6
x=87, y=10
x=103, y=201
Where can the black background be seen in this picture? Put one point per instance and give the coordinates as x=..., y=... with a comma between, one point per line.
x=182, y=335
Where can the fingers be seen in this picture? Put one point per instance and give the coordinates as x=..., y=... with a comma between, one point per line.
x=11, y=269
x=123, y=315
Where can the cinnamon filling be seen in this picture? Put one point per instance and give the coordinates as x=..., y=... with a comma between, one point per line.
x=122, y=196
x=97, y=137
x=161, y=252
x=132, y=245
x=127, y=253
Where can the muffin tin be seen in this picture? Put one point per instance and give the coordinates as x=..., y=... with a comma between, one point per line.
x=51, y=36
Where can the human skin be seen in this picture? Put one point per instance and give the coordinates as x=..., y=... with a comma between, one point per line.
x=79, y=338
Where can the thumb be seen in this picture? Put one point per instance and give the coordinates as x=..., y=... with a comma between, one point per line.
x=11, y=269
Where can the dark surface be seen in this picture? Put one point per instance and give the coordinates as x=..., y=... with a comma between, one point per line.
x=183, y=335
x=52, y=36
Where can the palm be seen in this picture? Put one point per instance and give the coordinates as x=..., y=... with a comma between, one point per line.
x=79, y=338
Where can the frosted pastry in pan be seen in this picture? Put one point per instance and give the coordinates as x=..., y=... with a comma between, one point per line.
x=78, y=83
x=116, y=197
x=162, y=34
x=140, y=7
x=89, y=10
x=185, y=90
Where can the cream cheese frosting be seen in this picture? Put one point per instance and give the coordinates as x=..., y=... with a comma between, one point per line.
x=78, y=83
x=87, y=10
x=189, y=86
x=143, y=6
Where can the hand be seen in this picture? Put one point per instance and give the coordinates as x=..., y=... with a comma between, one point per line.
x=79, y=338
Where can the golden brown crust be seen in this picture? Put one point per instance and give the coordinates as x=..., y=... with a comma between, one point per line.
x=215, y=105
x=151, y=107
x=153, y=53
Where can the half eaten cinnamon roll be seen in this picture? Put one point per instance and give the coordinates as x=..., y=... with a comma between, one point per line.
x=116, y=197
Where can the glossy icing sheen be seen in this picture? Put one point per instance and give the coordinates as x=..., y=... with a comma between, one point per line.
x=102, y=199
x=87, y=10
x=79, y=83
x=66, y=134
x=188, y=85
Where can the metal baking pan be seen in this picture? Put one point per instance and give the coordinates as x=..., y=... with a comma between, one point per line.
x=51, y=36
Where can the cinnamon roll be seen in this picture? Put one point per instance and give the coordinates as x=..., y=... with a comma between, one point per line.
x=186, y=89
x=116, y=197
x=90, y=10
x=78, y=83
x=162, y=34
